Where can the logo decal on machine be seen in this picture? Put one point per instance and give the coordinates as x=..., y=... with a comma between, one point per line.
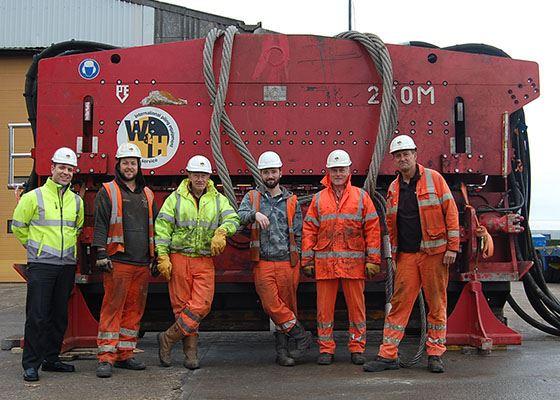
x=154, y=131
x=88, y=68
x=122, y=92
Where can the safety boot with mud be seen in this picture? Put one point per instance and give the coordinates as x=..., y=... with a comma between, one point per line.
x=357, y=358
x=325, y=359
x=282, y=356
x=190, y=348
x=104, y=370
x=435, y=364
x=166, y=340
x=302, y=338
x=381, y=364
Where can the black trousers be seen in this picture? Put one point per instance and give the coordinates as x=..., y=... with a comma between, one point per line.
x=48, y=290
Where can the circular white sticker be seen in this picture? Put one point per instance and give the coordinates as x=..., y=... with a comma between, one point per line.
x=154, y=131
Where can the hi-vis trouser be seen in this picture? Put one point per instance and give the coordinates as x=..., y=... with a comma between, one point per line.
x=126, y=289
x=353, y=290
x=276, y=283
x=416, y=271
x=191, y=290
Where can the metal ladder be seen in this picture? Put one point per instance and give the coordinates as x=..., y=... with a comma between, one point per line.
x=12, y=154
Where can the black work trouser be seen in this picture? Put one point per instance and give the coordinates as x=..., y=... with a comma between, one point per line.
x=48, y=290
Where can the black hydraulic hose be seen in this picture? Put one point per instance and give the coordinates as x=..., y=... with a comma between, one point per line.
x=549, y=302
x=537, y=273
x=30, y=93
x=538, y=293
x=530, y=320
x=539, y=306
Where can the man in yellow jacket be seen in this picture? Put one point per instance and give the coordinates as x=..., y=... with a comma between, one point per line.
x=47, y=222
x=191, y=228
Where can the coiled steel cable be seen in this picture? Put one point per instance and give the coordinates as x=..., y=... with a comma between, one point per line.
x=388, y=121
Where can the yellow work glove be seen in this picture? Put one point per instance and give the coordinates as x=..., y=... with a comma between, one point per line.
x=309, y=271
x=218, y=244
x=372, y=270
x=164, y=266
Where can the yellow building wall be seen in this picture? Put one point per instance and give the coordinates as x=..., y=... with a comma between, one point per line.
x=12, y=109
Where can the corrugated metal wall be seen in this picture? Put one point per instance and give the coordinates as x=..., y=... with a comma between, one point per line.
x=38, y=23
x=173, y=24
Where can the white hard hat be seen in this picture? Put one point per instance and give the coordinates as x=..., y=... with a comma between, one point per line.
x=402, y=142
x=199, y=164
x=128, y=150
x=64, y=155
x=269, y=159
x=338, y=158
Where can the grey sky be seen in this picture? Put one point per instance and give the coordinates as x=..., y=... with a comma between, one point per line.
x=524, y=30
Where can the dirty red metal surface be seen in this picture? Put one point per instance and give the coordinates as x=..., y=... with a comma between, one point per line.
x=473, y=323
x=301, y=96
x=332, y=101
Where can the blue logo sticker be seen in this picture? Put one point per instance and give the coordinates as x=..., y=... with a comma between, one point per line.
x=89, y=68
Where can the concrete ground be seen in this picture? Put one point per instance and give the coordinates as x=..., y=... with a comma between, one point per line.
x=241, y=366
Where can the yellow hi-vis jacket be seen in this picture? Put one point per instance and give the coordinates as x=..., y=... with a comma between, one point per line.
x=47, y=222
x=182, y=227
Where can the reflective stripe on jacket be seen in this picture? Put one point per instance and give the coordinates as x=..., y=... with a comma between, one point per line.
x=340, y=238
x=115, y=236
x=438, y=213
x=255, y=245
x=47, y=222
x=183, y=227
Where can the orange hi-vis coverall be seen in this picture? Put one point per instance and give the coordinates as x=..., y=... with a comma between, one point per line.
x=339, y=237
x=126, y=286
x=424, y=269
x=184, y=229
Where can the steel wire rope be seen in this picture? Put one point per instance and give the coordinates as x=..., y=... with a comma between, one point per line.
x=378, y=52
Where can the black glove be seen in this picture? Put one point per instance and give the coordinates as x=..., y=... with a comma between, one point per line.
x=153, y=268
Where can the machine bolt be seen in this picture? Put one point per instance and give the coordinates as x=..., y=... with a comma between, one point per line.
x=456, y=170
x=469, y=155
x=470, y=170
x=78, y=170
x=91, y=170
x=481, y=156
x=103, y=155
x=91, y=155
x=445, y=156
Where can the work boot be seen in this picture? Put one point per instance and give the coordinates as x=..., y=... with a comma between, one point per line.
x=130, y=363
x=190, y=344
x=381, y=364
x=325, y=359
x=282, y=356
x=435, y=364
x=302, y=338
x=57, y=366
x=31, y=375
x=166, y=340
x=357, y=358
x=104, y=370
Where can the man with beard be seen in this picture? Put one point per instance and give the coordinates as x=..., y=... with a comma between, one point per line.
x=275, y=218
x=423, y=225
x=124, y=239
x=340, y=246
x=47, y=222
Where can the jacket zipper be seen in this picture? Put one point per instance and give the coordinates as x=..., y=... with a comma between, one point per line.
x=61, y=226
